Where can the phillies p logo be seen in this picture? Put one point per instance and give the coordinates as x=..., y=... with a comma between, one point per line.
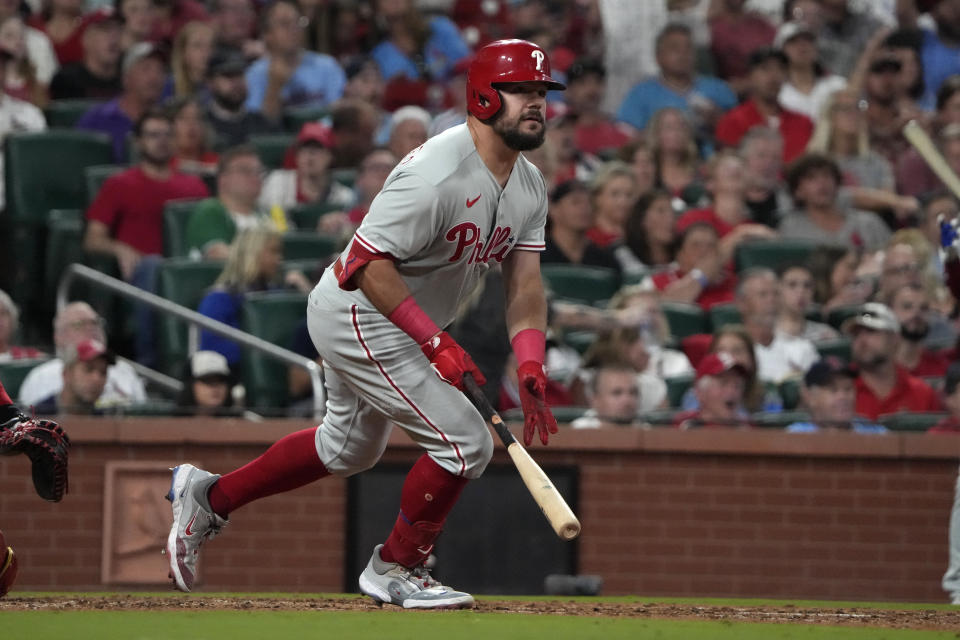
x=538, y=56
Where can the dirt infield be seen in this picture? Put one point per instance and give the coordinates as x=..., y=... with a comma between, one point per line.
x=920, y=619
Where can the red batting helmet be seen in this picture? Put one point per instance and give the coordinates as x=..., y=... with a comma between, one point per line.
x=504, y=61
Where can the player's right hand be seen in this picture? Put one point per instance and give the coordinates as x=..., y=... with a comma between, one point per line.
x=450, y=361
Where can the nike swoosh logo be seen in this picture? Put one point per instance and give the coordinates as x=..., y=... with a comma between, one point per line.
x=470, y=202
x=187, y=531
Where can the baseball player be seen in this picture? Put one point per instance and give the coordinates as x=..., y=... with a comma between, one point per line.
x=463, y=201
x=47, y=446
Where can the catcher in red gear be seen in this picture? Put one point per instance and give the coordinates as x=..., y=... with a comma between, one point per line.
x=47, y=446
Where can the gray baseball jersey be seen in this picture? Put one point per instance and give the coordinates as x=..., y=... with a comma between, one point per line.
x=442, y=217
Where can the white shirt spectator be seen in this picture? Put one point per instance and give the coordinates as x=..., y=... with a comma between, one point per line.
x=16, y=116
x=784, y=357
x=667, y=363
x=124, y=386
x=280, y=189
x=809, y=104
x=41, y=55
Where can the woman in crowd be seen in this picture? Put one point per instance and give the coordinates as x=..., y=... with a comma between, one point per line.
x=675, y=154
x=61, y=21
x=206, y=388
x=639, y=310
x=20, y=77
x=650, y=231
x=188, y=63
x=254, y=264
x=612, y=194
x=836, y=281
x=191, y=139
x=734, y=340
x=841, y=132
x=640, y=158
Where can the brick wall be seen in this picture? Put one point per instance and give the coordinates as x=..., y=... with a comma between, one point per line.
x=706, y=513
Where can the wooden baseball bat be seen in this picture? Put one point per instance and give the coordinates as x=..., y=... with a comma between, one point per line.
x=551, y=503
x=916, y=135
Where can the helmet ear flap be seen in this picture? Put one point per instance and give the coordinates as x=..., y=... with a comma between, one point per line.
x=485, y=102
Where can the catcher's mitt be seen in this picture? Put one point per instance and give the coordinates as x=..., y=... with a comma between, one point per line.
x=47, y=446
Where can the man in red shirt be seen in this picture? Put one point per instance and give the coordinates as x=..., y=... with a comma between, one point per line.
x=768, y=68
x=699, y=275
x=721, y=383
x=911, y=304
x=595, y=131
x=126, y=218
x=883, y=386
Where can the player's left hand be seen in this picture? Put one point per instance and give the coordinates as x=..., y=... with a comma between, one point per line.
x=536, y=414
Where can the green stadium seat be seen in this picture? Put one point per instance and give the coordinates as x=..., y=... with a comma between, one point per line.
x=838, y=315
x=778, y=419
x=589, y=285
x=636, y=276
x=96, y=175
x=13, y=373
x=272, y=316
x=911, y=421
x=64, y=244
x=684, y=319
x=790, y=393
x=295, y=117
x=660, y=417
x=772, y=254
x=724, y=314
x=580, y=340
x=306, y=216
x=151, y=408
x=184, y=282
x=308, y=245
x=63, y=114
x=176, y=216
x=839, y=348
x=564, y=415
x=676, y=388
x=272, y=148
x=43, y=171
x=346, y=176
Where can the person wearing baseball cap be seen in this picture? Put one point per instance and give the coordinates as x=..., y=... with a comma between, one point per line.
x=309, y=180
x=829, y=395
x=227, y=112
x=882, y=385
x=570, y=217
x=206, y=391
x=84, y=379
x=808, y=84
x=720, y=387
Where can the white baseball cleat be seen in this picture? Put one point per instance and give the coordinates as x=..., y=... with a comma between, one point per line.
x=194, y=522
x=408, y=588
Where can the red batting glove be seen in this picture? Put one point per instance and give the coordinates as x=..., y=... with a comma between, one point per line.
x=536, y=413
x=450, y=361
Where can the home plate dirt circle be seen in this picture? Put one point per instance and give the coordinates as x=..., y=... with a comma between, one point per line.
x=921, y=619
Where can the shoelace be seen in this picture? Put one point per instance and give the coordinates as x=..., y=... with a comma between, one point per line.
x=422, y=574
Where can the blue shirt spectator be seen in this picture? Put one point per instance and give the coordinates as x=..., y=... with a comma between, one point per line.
x=648, y=97
x=940, y=61
x=226, y=307
x=856, y=426
x=443, y=49
x=316, y=82
x=703, y=98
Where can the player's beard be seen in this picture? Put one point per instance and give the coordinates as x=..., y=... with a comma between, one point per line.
x=516, y=139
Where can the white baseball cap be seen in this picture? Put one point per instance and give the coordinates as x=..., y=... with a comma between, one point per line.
x=873, y=315
x=790, y=30
x=208, y=363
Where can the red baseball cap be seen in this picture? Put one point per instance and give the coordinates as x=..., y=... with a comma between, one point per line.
x=315, y=132
x=714, y=364
x=87, y=350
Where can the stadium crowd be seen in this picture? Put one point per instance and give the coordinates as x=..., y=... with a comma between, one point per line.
x=739, y=234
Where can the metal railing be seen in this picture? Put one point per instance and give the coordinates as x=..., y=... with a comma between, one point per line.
x=192, y=318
